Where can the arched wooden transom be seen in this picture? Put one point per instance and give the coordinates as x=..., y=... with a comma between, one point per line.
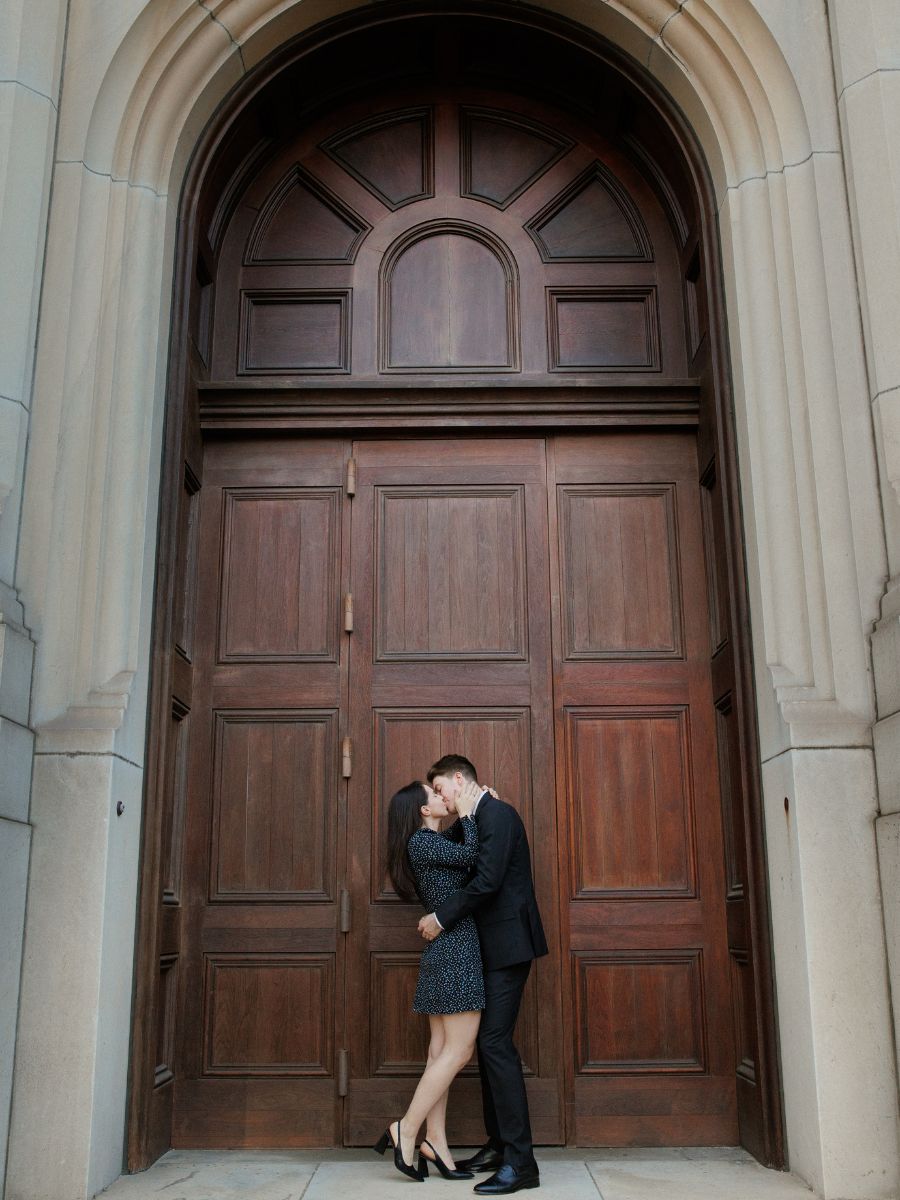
x=463, y=235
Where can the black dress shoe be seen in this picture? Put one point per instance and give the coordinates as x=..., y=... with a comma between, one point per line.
x=509, y=1179
x=487, y=1159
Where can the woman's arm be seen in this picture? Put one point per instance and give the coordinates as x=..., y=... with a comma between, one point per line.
x=467, y=852
x=455, y=832
x=442, y=851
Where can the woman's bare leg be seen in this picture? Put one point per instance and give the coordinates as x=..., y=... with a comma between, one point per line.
x=460, y=1032
x=436, y=1120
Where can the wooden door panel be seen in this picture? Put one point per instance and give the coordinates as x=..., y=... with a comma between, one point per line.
x=264, y=1112
x=303, y=221
x=475, y=533
x=265, y=802
x=630, y=803
x=644, y=910
x=616, y=572
x=279, y=575
x=272, y=809
x=449, y=304
x=391, y=156
x=406, y=742
x=639, y=1011
x=687, y=1112
x=450, y=652
x=251, y=1024
x=502, y=155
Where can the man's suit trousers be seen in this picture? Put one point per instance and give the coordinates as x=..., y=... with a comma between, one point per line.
x=502, y=1083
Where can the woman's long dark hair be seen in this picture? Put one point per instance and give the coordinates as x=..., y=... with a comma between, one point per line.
x=404, y=818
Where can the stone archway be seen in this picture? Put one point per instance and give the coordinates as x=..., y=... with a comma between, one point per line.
x=778, y=184
x=516, y=259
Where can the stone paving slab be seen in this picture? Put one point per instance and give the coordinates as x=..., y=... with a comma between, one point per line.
x=684, y=1173
x=694, y=1180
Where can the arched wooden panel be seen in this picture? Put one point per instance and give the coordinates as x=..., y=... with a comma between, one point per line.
x=592, y=220
x=502, y=155
x=448, y=303
x=391, y=155
x=305, y=222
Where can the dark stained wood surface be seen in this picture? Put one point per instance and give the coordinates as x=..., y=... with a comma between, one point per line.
x=468, y=233
x=262, y=966
x=450, y=653
x=642, y=887
x=467, y=560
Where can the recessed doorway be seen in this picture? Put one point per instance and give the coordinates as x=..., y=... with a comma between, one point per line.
x=450, y=318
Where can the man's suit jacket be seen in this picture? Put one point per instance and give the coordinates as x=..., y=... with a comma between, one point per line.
x=500, y=894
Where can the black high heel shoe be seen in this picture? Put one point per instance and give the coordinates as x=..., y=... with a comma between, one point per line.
x=447, y=1172
x=387, y=1139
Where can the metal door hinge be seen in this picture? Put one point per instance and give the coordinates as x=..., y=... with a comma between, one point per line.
x=351, y=477
x=348, y=613
x=345, y=911
x=346, y=758
x=343, y=1072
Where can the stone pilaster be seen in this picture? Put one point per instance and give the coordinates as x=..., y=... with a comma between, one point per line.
x=866, y=44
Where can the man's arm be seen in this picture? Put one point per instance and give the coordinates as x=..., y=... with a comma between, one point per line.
x=497, y=838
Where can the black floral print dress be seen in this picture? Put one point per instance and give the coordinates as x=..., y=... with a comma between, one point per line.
x=450, y=974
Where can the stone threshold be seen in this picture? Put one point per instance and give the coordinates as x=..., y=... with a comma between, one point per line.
x=682, y=1173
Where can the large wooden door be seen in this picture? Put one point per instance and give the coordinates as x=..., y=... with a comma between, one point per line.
x=262, y=982
x=649, y=1023
x=537, y=604
x=450, y=653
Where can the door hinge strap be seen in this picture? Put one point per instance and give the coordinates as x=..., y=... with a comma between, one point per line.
x=351, y=477
x=343, y=1072
x=348, y=613
x=347, y=758
x=345, y=911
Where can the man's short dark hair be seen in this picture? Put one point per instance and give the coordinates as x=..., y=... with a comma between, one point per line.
x=449, y=765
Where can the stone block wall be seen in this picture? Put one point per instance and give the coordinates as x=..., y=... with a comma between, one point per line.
x=31, y=45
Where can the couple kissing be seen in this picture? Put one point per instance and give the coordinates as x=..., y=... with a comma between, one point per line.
x=483, y=930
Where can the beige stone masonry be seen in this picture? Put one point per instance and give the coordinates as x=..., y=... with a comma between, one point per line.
x=866, y=40
x=31, y=33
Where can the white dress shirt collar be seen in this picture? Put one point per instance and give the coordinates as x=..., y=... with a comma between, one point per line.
x=477, y=802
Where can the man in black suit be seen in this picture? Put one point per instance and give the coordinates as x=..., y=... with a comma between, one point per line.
x=500, y=896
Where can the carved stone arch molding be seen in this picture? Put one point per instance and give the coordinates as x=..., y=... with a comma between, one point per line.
x=140, y=134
